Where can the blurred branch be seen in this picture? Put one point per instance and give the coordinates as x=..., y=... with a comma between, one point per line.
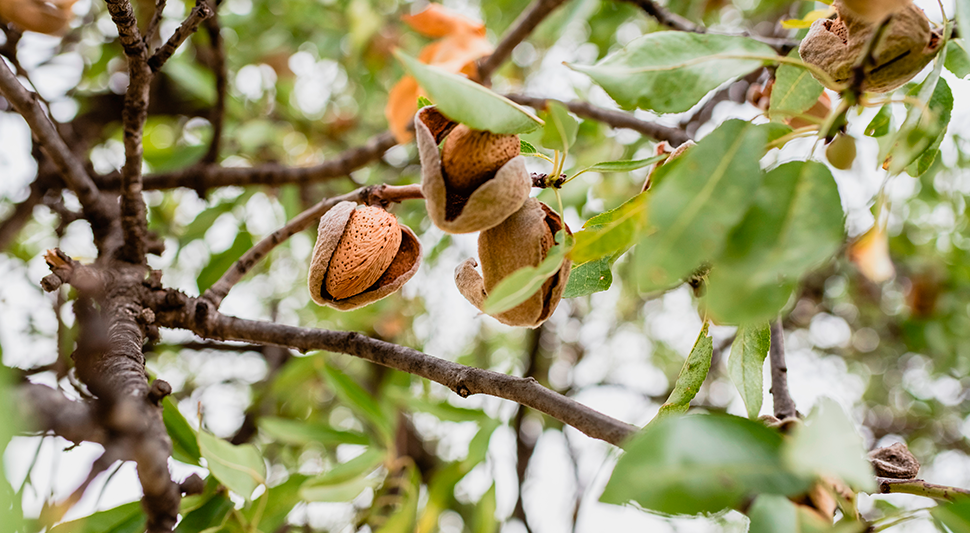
x=374, y=194
x=783, y=403
x=71, y=169
x=217, y=62
x=22, y=213
x=204, y=177
x=920, y=488
x=521, y=28
x=197, y=315
x=200, y=12
x=154, y=22
x=679, y=23
x=616, y=119
x=524, y=445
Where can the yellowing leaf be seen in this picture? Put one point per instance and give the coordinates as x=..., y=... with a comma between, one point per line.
x=461, y=44
x=870, y=253
x=797, y=24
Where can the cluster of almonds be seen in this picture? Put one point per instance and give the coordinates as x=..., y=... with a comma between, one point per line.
x=476, y=181
x=836, y=45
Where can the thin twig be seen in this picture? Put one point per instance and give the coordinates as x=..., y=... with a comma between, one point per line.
x=521, y=28
x=465, y=381
x=783, y=403
x=616, y=119
x=679, y=23
x=71, y=169
x=366, y=195
x=920, y=488
x=217, y=62
x=200, y=12
x=154, y=22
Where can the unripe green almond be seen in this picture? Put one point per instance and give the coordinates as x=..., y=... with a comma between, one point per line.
x=841, y=152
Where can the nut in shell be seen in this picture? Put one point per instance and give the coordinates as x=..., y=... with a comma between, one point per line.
x=522, y=240
x=837, y=45
x=483, y=180
x=361, y=256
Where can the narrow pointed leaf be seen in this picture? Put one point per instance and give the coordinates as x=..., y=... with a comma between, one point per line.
x=691, y=377
x=588, y=278
x=240, y=468
x=626, y=165
x=794, y=92
x=301, y=432
x=559, y=132
x=526, y=147
x=524, y=282
x=671, y=71
x=185, y=443
x=465, y=101
x=747, y=362
x=828, y=444
x=359, y=400
x=611, y=232
x=127, y=518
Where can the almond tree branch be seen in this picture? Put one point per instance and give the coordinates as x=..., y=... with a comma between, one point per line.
x=679, y=23
x=197, y=315
x=920, y=488
x=783, y=403
x=200, y=12
x=154, y=22
x=373, y=194
x=71, y=169
x=616, y=119
x=134, y=222
x=217, y=62
x=521, y=28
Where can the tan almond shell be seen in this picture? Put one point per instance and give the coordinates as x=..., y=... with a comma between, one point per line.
x=835, y=46
x=331, y=229
x=487, y=206
x=367, y=248
x=521, y=240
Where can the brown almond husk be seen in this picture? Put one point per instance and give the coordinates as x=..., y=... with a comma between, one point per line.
x=331, y=229
x=522, y=240
x=42, y=16
x=485, y=207
x=837, y=45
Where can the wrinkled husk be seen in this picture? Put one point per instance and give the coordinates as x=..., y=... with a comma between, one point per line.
x=837, y=45
x=402, y=268
x=487, y=206
x=522, y=240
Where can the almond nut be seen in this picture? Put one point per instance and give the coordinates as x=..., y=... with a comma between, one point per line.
x=490, y=185
x=522, y=240
x=361, y=255
x=837, y=45
x=470, y=157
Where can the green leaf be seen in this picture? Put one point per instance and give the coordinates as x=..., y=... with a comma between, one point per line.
x=957, y=58
x=828, y=444
x=747, y=362
x=921, y=129
x=772, y=513
x=518, y=286
x=698, y=198
x=879, y=126
x=280, y=501
x=561, y=128
x=211, y=513
x=795, y=224
x=185, y=444
x=359, y=466
x=441, y=409
x=626, y=165
x=594, y=276
x=795, y=90
x=405, y=519
x=423, y=102
x=611, y=232
x=360, y=401
x=691, y=377
x=240, y=468
x=483, y=520
x=223, y=261
x=700, y=464
x=301, y=433
x=127, y=518
x=526, y=147
x=465, y=101
x=11, y=504
x=955, y=515
x=670, y=71
x=962, y=16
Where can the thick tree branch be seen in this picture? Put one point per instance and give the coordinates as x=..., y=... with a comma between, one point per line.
x=198, y=316
x=616, y=119
x=373, y=194
x=134, y=223
x=71, y=169
x=47, y=409
x=920, y=488
x=679, y=23
x=521, y=28
x=783, y=403
x=200, y=12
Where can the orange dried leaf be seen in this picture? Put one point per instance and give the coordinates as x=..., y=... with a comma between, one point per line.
x=461, y=44
x=50, y=16
x=870, y=253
